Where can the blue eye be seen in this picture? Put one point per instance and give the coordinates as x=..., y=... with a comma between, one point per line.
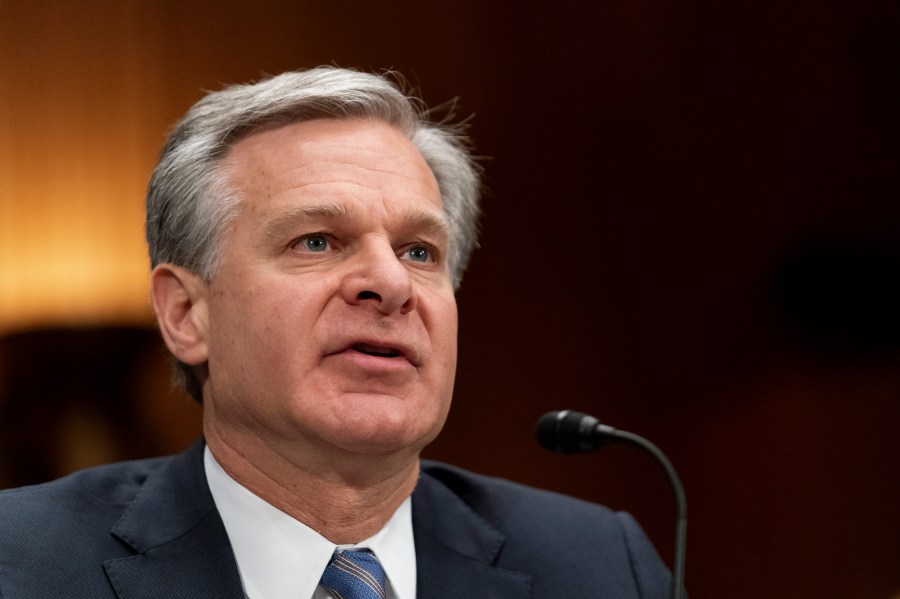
x=316, y=243
x=419, y=254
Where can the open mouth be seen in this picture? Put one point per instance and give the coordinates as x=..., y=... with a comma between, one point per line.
x=374, y=350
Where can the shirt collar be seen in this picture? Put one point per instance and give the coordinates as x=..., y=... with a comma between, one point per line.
x=280, y=557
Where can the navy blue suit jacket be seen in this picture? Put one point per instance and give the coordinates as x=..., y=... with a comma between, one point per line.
x=151, y=529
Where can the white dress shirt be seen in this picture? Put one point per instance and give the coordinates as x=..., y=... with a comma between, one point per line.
x=279, y=557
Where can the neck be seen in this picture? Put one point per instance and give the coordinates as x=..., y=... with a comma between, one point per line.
x=345, y=498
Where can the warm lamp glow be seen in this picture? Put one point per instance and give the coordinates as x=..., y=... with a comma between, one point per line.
x=92, y=282
x=71, y=214
x=81, y=123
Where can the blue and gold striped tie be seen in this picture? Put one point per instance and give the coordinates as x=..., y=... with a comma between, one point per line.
x=354, y=575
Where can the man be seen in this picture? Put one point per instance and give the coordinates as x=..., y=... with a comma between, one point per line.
x=307, y=234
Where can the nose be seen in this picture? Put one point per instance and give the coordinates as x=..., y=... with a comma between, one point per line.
x=378, y=277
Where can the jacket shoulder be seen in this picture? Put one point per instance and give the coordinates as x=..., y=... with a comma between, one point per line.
x=550, y=535
x=498, y=499
x=109, y=484
x=55, y=535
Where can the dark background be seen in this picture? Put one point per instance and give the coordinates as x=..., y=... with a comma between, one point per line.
x=690, y=231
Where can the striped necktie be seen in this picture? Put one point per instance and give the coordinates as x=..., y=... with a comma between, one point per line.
x=354, y=575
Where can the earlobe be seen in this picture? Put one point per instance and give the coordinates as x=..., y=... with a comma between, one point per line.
x=179, y=301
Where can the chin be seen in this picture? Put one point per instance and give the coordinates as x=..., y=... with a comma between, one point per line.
x=386, y=433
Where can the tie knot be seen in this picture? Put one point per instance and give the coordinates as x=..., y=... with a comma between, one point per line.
x=354, y=575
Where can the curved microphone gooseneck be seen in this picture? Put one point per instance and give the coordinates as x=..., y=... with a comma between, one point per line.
x=570, y=432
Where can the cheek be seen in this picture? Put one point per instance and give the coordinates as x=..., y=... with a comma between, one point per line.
x=255, y=323
x=443, y=332
x=447, y=320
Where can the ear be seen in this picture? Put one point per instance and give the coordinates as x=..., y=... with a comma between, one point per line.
x=179, y=300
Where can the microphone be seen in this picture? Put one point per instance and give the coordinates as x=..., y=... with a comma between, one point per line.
x=571, y=432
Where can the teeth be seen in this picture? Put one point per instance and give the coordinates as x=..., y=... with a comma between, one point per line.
x=373, y=350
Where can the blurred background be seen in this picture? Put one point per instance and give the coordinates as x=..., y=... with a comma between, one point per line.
x=691, y=231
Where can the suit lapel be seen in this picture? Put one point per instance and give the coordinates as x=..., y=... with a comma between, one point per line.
x=182, y=549
x=456, y=549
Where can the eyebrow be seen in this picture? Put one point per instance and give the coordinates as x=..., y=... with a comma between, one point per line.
x=415, y=218
x=287, y=219
x=418, y=218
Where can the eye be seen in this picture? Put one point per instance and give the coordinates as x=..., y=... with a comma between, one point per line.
x=314, y=243
x=419, y=254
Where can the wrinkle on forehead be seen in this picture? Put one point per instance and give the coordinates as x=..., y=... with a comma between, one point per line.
x=317, y=172
x=342, y=145
x=355, y=148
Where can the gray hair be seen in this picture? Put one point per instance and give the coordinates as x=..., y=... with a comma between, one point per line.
x=189, y=203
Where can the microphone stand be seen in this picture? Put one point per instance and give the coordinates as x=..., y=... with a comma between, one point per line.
x=569, y=432
x=680, y=501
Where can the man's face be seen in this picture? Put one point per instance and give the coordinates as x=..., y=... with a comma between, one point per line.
x=332, y=320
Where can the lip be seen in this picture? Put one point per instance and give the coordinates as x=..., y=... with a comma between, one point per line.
x=398, y=350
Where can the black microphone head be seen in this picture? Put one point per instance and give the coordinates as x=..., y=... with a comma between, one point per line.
x=567, y=431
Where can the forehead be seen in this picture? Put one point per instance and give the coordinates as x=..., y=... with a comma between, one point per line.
x=331, y=156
